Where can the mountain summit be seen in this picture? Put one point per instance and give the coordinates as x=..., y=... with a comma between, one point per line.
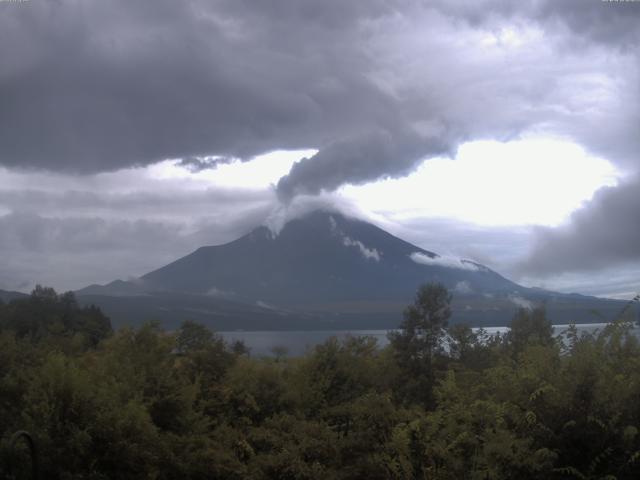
x=324, y=265
x=322, y=257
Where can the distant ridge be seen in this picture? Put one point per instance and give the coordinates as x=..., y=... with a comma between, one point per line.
x=7, y=296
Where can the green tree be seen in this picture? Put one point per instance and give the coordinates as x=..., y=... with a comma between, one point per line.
x=420, y=338
x=56, y=319
x=529, y=327
x=193, y=336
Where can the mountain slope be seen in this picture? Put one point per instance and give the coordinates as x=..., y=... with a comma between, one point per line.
x=321, y=258
x=7, y=296
x=322, y=270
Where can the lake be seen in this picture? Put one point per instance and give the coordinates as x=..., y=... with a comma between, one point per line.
x=298, y=342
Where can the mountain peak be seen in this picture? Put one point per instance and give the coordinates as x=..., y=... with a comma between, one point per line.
x=322, y=262
x=322, y=256
x=282, y=217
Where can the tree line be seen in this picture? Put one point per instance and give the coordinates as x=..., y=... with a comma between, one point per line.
x=439, y=402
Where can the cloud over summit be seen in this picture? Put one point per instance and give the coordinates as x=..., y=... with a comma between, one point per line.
x=376, y=87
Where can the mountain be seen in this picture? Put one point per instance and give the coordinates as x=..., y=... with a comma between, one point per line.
x=324, y=270
x=322, y=258
x=7, y=296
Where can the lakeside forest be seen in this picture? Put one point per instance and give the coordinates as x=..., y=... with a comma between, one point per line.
x=440, y=401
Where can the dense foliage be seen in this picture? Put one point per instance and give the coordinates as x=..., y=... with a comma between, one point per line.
x=440, y=402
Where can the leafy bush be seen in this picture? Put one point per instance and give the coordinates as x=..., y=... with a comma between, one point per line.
x=145, y=403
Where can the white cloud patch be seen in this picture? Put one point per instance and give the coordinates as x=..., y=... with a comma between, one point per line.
x=283, y=213
x=521, y=302
x=463, y=288
x=444, y=261
x=368, y=253
x=216, y=292
x=332, y=224
x=266, y=305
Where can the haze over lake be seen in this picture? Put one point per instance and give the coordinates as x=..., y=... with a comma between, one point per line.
x=299, y=342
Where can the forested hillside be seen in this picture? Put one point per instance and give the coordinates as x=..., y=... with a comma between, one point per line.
x=439, y=402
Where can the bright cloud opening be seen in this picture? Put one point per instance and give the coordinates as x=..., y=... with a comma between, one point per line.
x=524, y=182
x=259, y=172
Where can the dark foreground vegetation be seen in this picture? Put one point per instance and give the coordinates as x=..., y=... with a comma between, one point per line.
x=146, y=403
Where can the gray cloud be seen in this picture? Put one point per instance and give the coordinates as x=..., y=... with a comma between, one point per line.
x=603, y=233
x=358, y=160
x=100, y=86
x=376, y=86
x=606, y=31
x=73, y=252
x=614, y=23
x=497, y=247
x=607, y=22
x=68, y=231
x=37, y=234
x=503, y=248
x=197, y=164
x=171, y=202
x=456, y=96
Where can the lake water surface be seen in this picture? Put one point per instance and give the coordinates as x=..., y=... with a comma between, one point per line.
x=298, y=342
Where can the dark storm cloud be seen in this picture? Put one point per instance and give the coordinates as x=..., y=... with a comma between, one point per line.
x=607, y=22
x=97, y=86
x=587, y=28
x=501, y=101
x=197, y=164
x=358, y=160
x=603, y=233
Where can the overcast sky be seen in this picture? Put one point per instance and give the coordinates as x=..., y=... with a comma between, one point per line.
x=133, y=132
